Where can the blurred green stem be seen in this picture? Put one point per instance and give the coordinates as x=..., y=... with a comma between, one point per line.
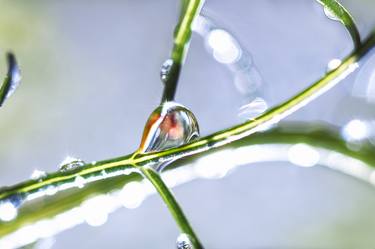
x=172, y=205
x=189, y=10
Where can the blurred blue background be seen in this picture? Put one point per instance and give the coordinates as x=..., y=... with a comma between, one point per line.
x=91, y=78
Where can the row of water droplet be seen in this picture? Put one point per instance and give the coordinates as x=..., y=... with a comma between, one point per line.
x=10, y=205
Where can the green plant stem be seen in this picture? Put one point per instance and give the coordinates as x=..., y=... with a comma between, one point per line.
x=172, y=205
x=90, y=172
x=343, y=16
x=320, y=136
x=190, y=9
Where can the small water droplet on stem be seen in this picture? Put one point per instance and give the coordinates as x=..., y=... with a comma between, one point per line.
x=165, y=70
x=71, y=163
x=38, y=174
x=184, y=242
x=328, y=12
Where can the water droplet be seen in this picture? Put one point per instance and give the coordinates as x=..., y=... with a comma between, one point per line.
x=71, y=163
x=38, y=174
x=333, y=64
x=184, y=242
x=165, y=70
x=169, y=125
x=80, y=181
x=330, y=14
x=9, y=207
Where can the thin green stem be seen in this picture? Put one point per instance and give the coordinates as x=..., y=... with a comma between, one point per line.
x=172, y=205
x=113, y=167
x=190, y=9
x=319, y=136
x=335, y=10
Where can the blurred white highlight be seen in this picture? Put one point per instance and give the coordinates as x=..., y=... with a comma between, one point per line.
x=303, y=155
x=224, y=48
x=96, y=209
x=7, y=211
x=355, y=130
x=133, y=194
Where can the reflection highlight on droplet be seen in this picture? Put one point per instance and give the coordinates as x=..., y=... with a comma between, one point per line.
x=330, y=14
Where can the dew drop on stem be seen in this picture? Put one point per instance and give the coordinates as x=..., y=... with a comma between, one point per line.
x=38, y=175
x=169, y=125
x=328, y=12
x=184, y=242
x=333, y=64
x=165, y=70
x=71, y=163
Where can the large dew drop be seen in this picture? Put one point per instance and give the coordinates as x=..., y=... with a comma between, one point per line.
x=71, y=163
x=170, y=125
x=184, y=242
